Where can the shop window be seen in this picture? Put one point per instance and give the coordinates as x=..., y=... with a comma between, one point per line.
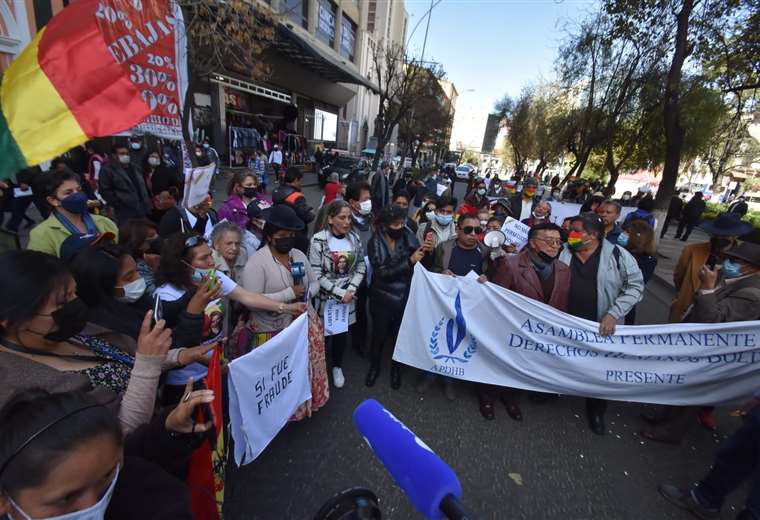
x=297, y=11
x=347, y=38
x=326, y=22
x=325, y=126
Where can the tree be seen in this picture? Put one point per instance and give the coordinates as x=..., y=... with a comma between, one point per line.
x=519, y=137
x=224, y=36
x=402, y=81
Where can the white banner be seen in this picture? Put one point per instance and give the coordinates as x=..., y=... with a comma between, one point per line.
x=266, y=387
x=562, y=210
x=460, y=328
x=197, y=182
x=335, y=317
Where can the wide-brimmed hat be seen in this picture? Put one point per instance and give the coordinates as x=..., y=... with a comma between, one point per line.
x=284, y=217
x=746, y=251
x=726, y=224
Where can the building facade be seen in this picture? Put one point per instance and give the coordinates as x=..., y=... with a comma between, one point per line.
x=19, y=22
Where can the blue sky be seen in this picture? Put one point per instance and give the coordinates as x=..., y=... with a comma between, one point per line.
x=494, y=46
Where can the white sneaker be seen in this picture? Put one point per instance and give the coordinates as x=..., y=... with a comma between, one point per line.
x=338, y=379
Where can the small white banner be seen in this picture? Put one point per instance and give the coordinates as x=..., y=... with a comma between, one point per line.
x=197, y=181
x=516, y=232
x=335, y=317
x=460, y=328
x=266, y=387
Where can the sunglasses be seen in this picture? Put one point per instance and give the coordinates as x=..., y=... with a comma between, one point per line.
x=194, y=241
x=469, y=230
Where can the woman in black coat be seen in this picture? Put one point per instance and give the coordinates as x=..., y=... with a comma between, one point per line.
x=393, y=251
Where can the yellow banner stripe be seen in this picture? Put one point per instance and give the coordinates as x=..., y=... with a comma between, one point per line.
x=34, y=111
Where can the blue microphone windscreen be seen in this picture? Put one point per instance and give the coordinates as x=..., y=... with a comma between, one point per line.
x=424, y=477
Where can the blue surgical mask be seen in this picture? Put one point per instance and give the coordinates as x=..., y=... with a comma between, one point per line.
x=199, y=273
x=444, y=220
x=731, y=269
x=622, y=239
x=94, y=512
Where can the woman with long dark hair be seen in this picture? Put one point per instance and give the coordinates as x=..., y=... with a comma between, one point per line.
x=140, y=238
x=186, y=269
x=393, y=250
x=42, y=343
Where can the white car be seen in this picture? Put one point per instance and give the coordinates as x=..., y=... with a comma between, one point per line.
x=463, y=171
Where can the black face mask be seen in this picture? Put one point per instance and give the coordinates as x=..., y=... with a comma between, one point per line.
x=719, y=244
x=545, y=257
x=249, y=193
x=69, y=320
x=395, y=234
x=284, y=245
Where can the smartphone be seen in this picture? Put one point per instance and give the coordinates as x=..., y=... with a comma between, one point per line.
x=711, y=261
x=204, y=414
x=158, y=311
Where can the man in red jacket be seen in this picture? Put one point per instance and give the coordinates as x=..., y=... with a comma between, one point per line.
x=537, y=274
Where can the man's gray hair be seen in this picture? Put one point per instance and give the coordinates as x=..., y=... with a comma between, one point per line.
x=616, y=204
x=223, y=227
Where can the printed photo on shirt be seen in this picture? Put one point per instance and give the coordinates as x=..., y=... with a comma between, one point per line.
x=213, y=321
x=342, y=261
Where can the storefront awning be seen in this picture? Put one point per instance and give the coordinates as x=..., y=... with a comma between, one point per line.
x=300, y=50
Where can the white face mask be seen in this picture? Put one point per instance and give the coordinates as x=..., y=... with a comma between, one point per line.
x=365, y=207
x=135, y=146
x=94, y=512
x=133, y=291
x=124, y=159
x=153, y=161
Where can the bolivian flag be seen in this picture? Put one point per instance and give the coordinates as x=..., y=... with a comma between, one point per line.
x=62, y=90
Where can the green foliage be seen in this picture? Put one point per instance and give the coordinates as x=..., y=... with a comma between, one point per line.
x=713, y=209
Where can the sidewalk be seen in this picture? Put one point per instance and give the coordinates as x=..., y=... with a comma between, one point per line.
x=668, y=251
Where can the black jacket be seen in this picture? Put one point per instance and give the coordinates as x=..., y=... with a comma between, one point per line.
x=164, y=179
x=380, y=195
x=693, y=210
x=675, y=208
x=515, y=205
x=176, y=218
x=391, y=271
x=124, y=190
x=287, y=194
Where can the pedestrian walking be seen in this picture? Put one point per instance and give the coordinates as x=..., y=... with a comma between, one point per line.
x=690, y=216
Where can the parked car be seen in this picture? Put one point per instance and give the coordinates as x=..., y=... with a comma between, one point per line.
x=463, y=171
x=349, y=169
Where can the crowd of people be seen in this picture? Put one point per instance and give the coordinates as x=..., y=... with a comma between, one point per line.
x=110, y=317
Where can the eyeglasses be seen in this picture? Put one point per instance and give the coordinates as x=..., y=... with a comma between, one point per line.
x=551, y=241
x=469, y=230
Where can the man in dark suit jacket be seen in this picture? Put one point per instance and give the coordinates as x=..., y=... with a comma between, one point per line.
x=522, y=204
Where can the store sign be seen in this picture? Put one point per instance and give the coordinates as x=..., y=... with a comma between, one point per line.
x=149, y=38
x=235, y=100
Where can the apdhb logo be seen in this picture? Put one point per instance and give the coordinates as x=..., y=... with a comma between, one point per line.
x=456, y=332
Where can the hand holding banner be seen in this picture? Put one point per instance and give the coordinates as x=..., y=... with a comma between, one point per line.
x=460, y=328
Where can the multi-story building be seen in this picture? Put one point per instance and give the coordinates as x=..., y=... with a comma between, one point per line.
x=19, y=22
x=382, y=21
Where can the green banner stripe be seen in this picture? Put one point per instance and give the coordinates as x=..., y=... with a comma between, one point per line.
x=11, y=159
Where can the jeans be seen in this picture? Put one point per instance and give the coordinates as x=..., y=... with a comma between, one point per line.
x=735, y=461
x=386, y=322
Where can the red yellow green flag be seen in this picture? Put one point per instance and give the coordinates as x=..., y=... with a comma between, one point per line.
x=63, y=89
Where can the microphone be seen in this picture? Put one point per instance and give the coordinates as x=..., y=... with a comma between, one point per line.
x=428, y=481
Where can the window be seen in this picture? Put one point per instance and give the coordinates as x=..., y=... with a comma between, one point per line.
x=347, y=38
x=326, y=22
x=371, y=10
x=325, y=125
x=297, y=11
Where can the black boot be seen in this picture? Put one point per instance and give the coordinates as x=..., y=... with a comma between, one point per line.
x=374, y=371
x=595, y=413
x=395, y=376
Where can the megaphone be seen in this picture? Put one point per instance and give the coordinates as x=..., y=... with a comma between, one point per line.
x=495, y=239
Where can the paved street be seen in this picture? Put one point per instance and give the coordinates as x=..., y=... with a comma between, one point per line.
x=549, y=466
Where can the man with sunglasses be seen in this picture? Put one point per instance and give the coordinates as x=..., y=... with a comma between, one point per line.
x=457, y=257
